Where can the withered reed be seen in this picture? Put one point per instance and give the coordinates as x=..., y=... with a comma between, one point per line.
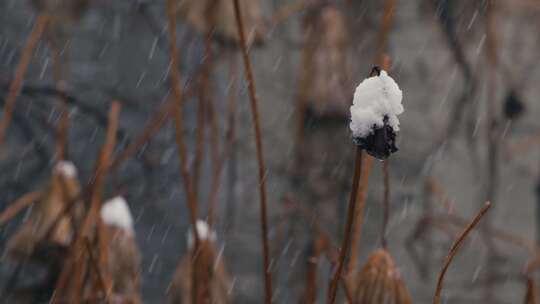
x=455, y=248
x=178, y=113
x=19, y=205
x=72, y=277
x=259, y=148
x=22, y=66
x=348, y=227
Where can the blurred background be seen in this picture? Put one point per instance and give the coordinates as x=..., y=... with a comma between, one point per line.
x=469, y=134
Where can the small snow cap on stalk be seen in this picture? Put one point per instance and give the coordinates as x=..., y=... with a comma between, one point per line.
x=204, y=231
x=66, y=169
x=115, y=212
x=376, y=105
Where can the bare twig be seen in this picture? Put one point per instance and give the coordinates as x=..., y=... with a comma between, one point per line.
x=16, y=207
x=228, y=145
x=259, y=148
x=16, y=84
x=454, y=250
x=384, y=61
x=386, y=203
x=75, y=266
x=348, y=227
x=95, y=265
x=174, y=77
x=63, y=124
x=359, y=213
x=178, y=113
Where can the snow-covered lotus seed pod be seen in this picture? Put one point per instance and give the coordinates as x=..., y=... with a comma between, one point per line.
x=374, y=114
x=124, y=258
x=379, y=282
x=206, y=265
x=47, y=226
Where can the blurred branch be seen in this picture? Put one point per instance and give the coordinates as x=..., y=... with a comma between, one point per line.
x=19, y=205
x=22, y=66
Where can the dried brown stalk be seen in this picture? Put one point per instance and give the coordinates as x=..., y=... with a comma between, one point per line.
x=156, y=122
x=386, y=203
x=531, y=296
x=19, y=205
x=493, y=131
x=63, y=124
x=384, y=60
x=228, y=145
x=348, y=227
x=454, y=250
x=15, y=86
x=359, y=214
x=310, y=293
x=174, y=77
x=74, y=269
x=103, y=241
x=160, y=117
x=204, y=100
x=362, y=194
x=387, y=21
x=259, y=148
x=434, y=187
x=178, y=113
x=96, y=266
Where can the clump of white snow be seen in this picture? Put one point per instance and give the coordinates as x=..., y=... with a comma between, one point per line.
x=204, y=231
x=375, y=98
x=115, y=212
x=66, y=168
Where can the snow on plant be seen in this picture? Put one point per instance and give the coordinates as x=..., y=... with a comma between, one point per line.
x=66, y=168
x=204, y=231
x=374, y=122
x=115, y=212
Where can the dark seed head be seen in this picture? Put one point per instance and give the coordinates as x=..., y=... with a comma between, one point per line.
x=380, y=143
x=513, y=106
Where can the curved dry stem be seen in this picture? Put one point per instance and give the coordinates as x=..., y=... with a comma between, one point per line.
x=19, y=205
x=75, y=266
x=35, y=35
x=454, y=250
x=348, y=227
x=259, y=148
x=386, y=203
x=174, y=76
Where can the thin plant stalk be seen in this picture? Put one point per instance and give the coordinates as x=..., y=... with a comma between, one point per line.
x=74, y=269
x=228, y=147
x=38, y=29
x=95, y=265
x=158, y=119
x=205, y=92
x=62, y=130
x=386, y=203
x=348, y=227
x=19, y=205
x=259, y=148
x=178, y=113
x=454, y=250
x=174, y=77
x=383, y=60
x=359, y=212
